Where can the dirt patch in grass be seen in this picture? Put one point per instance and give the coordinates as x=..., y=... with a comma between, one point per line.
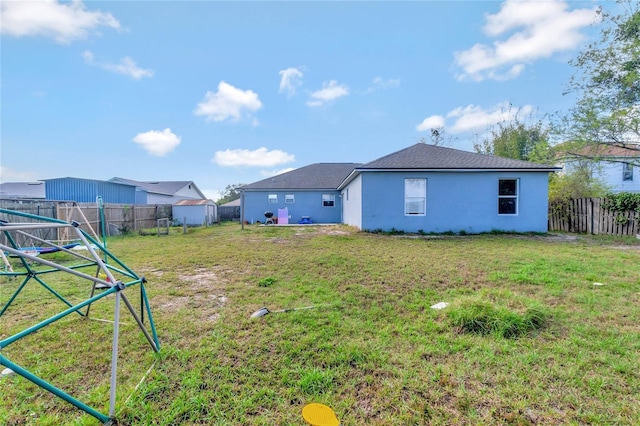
x=202, y=293
x=326, y=230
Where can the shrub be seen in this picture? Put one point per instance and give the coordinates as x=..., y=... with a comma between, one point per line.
x=622, y=203
x=483, y=318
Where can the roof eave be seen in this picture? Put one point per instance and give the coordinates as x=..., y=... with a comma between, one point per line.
x=463, y=169
x=354, y=173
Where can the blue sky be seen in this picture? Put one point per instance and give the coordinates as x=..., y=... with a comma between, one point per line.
x=222, y=93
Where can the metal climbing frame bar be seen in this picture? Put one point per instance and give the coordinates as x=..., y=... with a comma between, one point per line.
x=31, y=269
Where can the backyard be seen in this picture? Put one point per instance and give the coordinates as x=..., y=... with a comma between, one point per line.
x=538, y=329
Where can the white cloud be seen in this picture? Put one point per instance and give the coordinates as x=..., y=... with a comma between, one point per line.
x=158, y=143
x=270, y=173
x=290, y=80
x=474, y=118
x=538, y=29
x=260, y=157
x=329, y=92
x=380, y=83
x=228, y=102
x=432, y=122
x=127, y=66
x=11, y=175
x=63, y=22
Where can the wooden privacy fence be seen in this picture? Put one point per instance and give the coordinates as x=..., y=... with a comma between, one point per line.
x=119, y=218
x=587, y=215
x=37, y=208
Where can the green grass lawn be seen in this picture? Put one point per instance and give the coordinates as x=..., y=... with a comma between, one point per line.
x=526, y=338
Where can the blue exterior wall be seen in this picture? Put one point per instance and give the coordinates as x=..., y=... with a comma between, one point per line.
x=306, y=203
x=141, y=196
x=456, y=201
x=87, y=190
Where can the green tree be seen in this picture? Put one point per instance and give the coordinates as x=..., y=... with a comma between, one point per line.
x=230, y=193
x=607, y=85
x=578, y=182
x=518, y=139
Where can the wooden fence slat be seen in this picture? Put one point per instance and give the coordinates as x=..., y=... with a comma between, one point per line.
x=587, y=215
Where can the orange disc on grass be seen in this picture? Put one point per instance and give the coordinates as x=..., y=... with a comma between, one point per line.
x=319, y=415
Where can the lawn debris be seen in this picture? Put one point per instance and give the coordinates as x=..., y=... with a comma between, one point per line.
x=440, y=305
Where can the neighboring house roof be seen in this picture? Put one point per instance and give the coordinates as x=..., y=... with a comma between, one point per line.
x=234, y=203
x=193, y=203
x=313, y=177
x=160, y=187
x=603, y=150
x=22, y=190
x=425, y=157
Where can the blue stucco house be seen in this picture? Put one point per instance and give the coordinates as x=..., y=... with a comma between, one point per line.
x=422, y=188
x=435, y=189
x=306, y=194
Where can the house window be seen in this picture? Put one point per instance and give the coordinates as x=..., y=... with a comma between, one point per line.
x=328, y=200
x=508, y=196
x=273, y=198
x=415, y=197
x=289, y=198
x=627, y=172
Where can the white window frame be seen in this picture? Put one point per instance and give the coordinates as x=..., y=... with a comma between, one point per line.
x=515, y=196
x=627, y=172
x=289, y=198
x=415, y=195
x=272, y=198
x=328, y=198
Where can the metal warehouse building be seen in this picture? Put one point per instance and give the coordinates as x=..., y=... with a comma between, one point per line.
x=87, y=191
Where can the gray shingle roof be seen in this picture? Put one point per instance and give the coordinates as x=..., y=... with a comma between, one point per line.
x=314, y=176
x=424, y=156
x=157, y=187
